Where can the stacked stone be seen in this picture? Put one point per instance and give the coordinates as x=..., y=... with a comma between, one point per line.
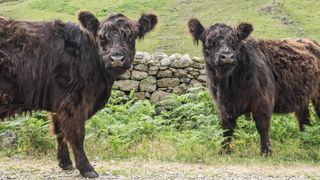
x=155, y=76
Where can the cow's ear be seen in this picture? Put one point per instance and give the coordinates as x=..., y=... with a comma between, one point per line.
x=196, y=29
x=89, y=21
x=244, y=30
x=146, y=23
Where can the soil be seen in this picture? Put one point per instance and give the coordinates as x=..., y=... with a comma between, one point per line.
x=15, y=168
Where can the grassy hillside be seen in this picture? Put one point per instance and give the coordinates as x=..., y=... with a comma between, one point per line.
x=271, y=18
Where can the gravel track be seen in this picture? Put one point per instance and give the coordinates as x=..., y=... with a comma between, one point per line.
x=134, y=169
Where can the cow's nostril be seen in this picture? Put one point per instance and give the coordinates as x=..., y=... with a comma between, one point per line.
x=117, y=58
x=232, y=56
x=222, y=56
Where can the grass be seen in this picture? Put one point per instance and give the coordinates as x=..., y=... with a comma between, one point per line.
x=171, y=35
x=188, y=131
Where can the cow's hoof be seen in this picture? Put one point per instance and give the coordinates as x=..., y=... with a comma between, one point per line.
x=266, y=152
x=66, y=167
x=90, y=174
x=225, y=150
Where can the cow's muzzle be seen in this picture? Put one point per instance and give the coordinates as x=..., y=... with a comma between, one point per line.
x=117, y=60
x=226, y=59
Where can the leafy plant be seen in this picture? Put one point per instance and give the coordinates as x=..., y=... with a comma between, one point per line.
x=182, y=128
x=32, y=131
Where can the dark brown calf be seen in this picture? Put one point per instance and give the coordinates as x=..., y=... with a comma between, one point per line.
x=67, y=69
x=258, y=76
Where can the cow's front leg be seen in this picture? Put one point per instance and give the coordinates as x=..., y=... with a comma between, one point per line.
x=63, y=153
x=73, y=131
x=262, y=120
x=228, y=124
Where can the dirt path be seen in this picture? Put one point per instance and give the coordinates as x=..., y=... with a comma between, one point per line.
x=47, y=169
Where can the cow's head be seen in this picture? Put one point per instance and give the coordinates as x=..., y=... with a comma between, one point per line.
x=220, y=43
x=116, y=36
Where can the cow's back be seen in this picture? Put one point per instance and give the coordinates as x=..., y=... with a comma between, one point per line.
x=295, y=64
x=16, y=42
x=36, y=68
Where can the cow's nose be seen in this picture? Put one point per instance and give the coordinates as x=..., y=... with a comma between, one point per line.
x=227, y=58
x=117, y=60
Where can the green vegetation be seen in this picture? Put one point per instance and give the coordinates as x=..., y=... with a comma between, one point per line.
x=188, y=131
x=271, y=18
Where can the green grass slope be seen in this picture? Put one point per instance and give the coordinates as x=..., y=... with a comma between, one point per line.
x=271, y=18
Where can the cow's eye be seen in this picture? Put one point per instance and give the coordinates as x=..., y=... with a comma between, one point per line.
x=106, y=35
x=233, y=44
x=207, y=49
x=103, y=42
x=131, y=39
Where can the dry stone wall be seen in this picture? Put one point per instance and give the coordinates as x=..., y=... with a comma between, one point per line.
x=155, y=76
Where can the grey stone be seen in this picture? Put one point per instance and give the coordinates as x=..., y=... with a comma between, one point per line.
x=168, y=82
x=190, y=76
x=125, y=75
x=180, y=73
x=194, y=82
x=154, y=68
x=162, y=68
x=198, y=59
x=164, y=74
x=148, y=95
x=148, y=84
x=153, y=63
x=126, y=85
x=141, y=67
x=158, y=96
x=140, y=95
x=165, y=61
x=141, y=58
x=164, y=105
x=138, y=75
x=8, y=139
x=202, y=78
x=167, y=103
x=175, y=56
x=146, y=57
x=202, y=71
x=182, y=88
x=173, y=69
x=198, y=65
x=183, y=62
x=152, y=73
x=139, y=55
x=185, y=80
x=187, y=57
x=194, y=73
x=158, y=56
x=190, y=69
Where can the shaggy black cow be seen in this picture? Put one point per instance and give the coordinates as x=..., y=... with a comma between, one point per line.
x=66, y=69
x=258, y=76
